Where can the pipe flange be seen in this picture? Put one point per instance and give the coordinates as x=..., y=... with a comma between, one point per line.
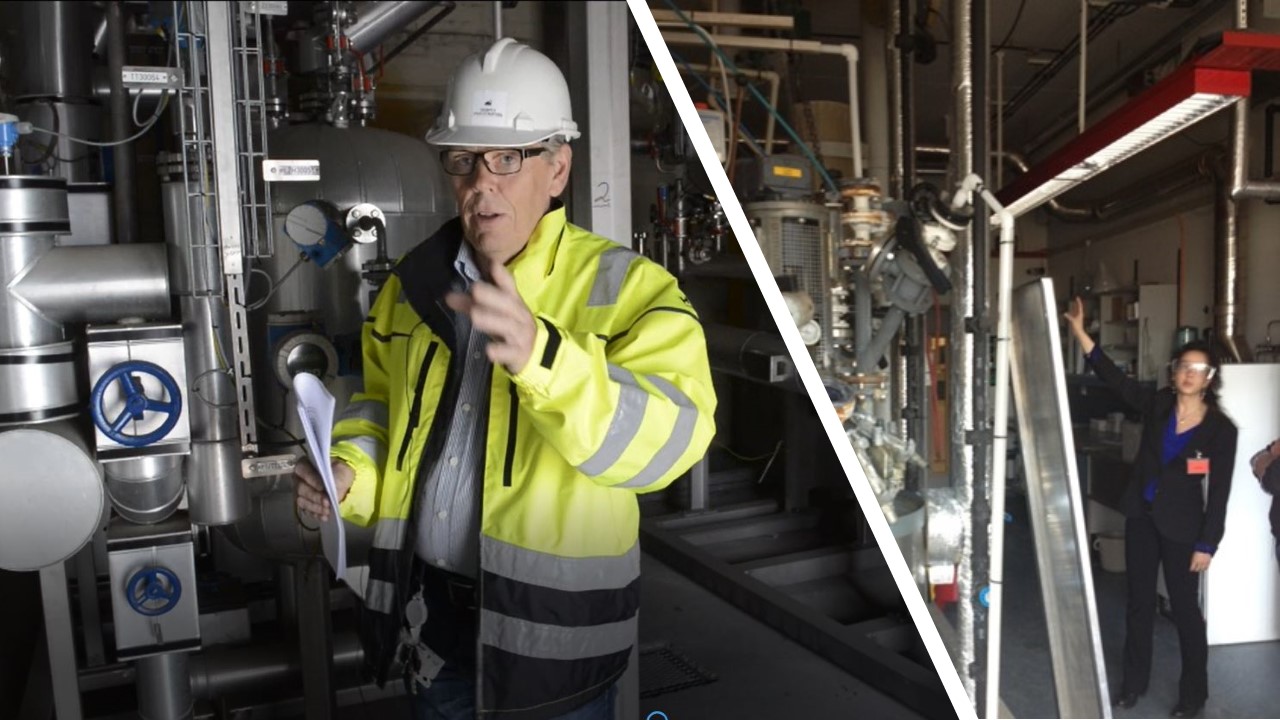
x=305, y=351
x=363, y=222
x=860, y=187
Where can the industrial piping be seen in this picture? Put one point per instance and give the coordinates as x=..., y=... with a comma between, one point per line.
x=962, y=344
x=849, y=52
x=1227, y=223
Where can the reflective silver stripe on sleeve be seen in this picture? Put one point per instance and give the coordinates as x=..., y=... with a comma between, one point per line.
x=677, y=442
x=558, y=572
x=380, y=596
x=374, y=448
x=389, y=534
x=555, y=642
x=374, y=411
x=627, y=417
x=613, y=270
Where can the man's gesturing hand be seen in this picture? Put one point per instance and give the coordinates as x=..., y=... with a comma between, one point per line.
x=309, y=487
x=497, y=311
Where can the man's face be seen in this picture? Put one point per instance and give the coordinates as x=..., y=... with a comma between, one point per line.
x=500, y=211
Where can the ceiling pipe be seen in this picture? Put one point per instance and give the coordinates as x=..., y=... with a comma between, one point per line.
x=380, y=20
x=1183, y=177
x=849, y=52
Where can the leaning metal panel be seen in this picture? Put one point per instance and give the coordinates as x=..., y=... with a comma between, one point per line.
x=1053, y=492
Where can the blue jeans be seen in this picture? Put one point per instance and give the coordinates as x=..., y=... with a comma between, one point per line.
x=452, y=696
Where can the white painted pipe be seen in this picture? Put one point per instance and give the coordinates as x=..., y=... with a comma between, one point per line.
x=1000, y=426
x=849, y=52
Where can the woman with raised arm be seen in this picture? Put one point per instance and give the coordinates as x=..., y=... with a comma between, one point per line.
x=1171, y=519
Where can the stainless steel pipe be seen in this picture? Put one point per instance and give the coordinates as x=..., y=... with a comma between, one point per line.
x=99, y=284
x=164, y=688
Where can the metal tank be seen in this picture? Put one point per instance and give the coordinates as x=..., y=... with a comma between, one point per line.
x=397, y=174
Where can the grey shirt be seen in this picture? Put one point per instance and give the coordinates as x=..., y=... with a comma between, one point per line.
x=448, y=532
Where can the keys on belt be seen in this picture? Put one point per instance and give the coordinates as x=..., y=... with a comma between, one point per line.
x=421, y=664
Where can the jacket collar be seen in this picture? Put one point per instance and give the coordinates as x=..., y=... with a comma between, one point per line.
x=1205, y=433
x=427, y=272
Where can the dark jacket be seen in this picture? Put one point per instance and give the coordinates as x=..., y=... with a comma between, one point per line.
x=1182, y=510
x=1271, y=483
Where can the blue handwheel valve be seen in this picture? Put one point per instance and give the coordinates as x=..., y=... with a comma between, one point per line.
x=153, y=591
x=136, y=403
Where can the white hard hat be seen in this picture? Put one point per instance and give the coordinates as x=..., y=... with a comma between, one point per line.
x=508, y=96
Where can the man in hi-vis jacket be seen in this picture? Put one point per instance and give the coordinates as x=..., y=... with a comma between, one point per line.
x=524, y=379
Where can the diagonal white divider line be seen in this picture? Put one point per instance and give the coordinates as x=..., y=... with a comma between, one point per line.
x=803, y=363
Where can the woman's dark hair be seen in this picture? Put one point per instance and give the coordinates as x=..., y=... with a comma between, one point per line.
x=1200, y=346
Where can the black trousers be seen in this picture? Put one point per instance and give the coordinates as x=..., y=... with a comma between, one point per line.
x=1145, y=552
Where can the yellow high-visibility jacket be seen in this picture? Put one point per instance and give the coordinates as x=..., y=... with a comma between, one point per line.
x=616, y=399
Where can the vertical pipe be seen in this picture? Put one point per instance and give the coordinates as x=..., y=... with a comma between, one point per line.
x=999, y=164
x=980, y=257
x=61, y=641
x=497, y=20
x=1228, y=226
x=164, y=688
x=862, y=320
x=917, y=338
x=995, y=596
x=698, y=481
x=961, y=369
x=123, y=160
x=875, y=92
x=1084, y=61
x=315, y=639
x=850, y=53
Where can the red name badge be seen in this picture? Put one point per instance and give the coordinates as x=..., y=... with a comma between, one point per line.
x=1197, y=466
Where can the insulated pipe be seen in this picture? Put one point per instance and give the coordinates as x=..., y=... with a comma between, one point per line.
x=1227, y=223
x=875, y=90
x=849, y=52
x=221, y=671
x=973, y=184
x=1226, y=249
x=380, y=20
x=98, y=283
x=164, y=688
x=122, y=189
x=961, y=340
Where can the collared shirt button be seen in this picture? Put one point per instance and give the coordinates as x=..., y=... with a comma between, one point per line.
x=441, y=562
x=442, y=514
x=475, y=355
x=453, y=461
x=466, y=407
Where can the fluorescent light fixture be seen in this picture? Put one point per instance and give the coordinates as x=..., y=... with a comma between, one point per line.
x=1187, y=96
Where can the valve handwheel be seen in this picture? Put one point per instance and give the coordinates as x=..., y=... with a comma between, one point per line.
x=153, y=591
x=136, y=403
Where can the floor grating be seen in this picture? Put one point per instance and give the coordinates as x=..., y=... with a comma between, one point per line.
x=663, y=669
